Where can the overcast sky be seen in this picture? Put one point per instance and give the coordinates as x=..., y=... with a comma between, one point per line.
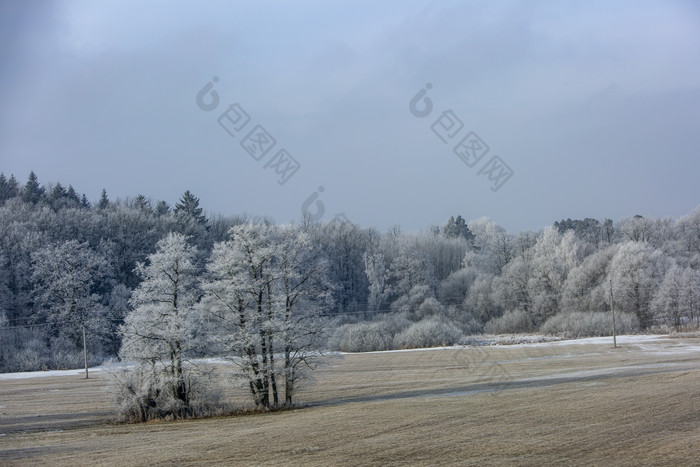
x=593, y=106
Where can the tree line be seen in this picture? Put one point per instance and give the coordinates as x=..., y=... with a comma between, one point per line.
x=68, y=264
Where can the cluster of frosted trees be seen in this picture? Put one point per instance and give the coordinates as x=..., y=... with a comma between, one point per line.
x=559, y=280
x=67, y=265
x=258, y=301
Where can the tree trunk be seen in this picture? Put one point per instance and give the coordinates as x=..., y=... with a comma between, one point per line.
x=288, y=377
x=273, y=381
x=265, y=394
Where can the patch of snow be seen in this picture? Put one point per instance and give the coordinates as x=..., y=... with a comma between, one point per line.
x=424, y=349
x=626, y=339
x=45, y=374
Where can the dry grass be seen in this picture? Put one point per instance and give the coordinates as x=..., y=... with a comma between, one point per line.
x=557, y=404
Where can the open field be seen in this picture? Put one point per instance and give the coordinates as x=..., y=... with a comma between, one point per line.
x=574, y=402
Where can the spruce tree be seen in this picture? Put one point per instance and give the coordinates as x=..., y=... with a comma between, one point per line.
x=142, y=203
x=104, y=201
x=33, y=191
x=188, y=207
x=8, y=188
x=162, y=209
x=72, y=195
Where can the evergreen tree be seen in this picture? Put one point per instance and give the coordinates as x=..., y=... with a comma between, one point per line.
x=72, y=195
x=142, y=203
x=14, y=186
x=162, y=209
x=8, y=188
x=457, y=228
x=33, y=191
x=57, y=197
x=450, y=229
x=104, y=201
x=188, y=207
x=58, y=192
x=462, y=229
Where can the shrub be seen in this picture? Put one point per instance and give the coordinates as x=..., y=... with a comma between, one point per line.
x=511, y=322
x=430, y=307
x=365, y=337
x=431, y=332
x=580, y=324
x=466, y=321
x=144, y=392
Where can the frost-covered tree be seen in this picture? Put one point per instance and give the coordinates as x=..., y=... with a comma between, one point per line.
x=5, y=293
x=454, y=289
x=344, y=245
x=636, y=271
x=302, y=292
x=678, y=296
x=480, y=300
x=375, y=270
x=442, y=256
x=511, y=290
x=239, y=296
x=66, y=275
x=656, y=232
x=688, y=234
x=491, y=241
x=586, y=287
x=553, y=256
x=264, y=291
x=159, y=331
x=408, y=270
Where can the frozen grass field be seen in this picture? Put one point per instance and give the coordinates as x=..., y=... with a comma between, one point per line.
x=570, y=402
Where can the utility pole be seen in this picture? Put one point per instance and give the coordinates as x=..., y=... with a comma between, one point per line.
x=612, y=310
x=85, y=352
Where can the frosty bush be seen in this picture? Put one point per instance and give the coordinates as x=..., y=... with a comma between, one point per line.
x=512, y=322
x=366, y=337
x=144, y=393
x=430, y=307
x=580, y=324
x=467, y=322
x=431, y=332
x=30, y=350
x=32, y=356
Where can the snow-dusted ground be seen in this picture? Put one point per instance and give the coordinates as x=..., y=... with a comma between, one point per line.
x=633, y=339
x=44, y=374
x=646, y=342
